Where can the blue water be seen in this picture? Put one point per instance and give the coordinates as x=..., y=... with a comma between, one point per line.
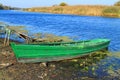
x=81, y=27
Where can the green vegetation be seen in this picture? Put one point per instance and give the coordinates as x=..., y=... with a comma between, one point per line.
x=3, y=7
x=112, y=11
x=117, y=3
x=47, y=37
x=35, y=38
x=63, y=4
x=91, y=63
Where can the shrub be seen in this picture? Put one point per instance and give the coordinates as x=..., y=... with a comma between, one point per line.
x=111, y=11
x=63, y=4
x=117, y=3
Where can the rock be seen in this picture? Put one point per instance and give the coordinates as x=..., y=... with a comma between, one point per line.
x=4, y=65
x=52, y=65
x=43, y=64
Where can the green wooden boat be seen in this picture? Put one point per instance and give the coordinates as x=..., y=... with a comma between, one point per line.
x=45, y=52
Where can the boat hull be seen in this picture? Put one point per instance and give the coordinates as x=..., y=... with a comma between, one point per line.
x=56, y=51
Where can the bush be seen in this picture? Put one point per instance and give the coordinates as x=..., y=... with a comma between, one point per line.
x=111, y=11
x=63, y=4
x=117, y=3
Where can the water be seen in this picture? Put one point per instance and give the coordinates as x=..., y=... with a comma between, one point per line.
x=82, y=27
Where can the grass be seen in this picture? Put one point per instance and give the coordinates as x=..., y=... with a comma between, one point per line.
x=91, y=10
x=79, y=10
x=113, y=11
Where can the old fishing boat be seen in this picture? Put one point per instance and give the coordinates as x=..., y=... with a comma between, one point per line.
x=45, y=52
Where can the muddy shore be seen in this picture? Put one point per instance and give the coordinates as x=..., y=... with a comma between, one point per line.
x=10, y=69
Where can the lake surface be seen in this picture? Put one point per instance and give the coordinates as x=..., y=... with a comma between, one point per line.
x=82, y=27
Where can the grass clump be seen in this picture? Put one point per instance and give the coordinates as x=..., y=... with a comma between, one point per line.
x=112, y=11
x=47, y=37
x=37, y=37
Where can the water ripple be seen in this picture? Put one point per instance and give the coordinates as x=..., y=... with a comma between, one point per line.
x=84, y=27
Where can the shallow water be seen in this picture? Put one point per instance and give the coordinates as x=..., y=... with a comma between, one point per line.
x=81, y=27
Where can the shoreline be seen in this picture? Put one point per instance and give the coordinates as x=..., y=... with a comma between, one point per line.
x=54, y=70
x=80, y=10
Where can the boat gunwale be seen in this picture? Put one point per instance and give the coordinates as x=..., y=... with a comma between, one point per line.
x=62, y=44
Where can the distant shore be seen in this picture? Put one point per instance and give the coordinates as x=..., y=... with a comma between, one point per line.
x=89, y=10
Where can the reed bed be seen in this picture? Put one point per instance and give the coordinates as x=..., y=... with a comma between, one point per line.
x=94, y=10
x=90, y=10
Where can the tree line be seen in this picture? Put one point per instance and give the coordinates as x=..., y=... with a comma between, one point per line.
x=4, y=7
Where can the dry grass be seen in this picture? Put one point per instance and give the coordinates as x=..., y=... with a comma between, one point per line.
x=93, y=10
x=113, y=11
